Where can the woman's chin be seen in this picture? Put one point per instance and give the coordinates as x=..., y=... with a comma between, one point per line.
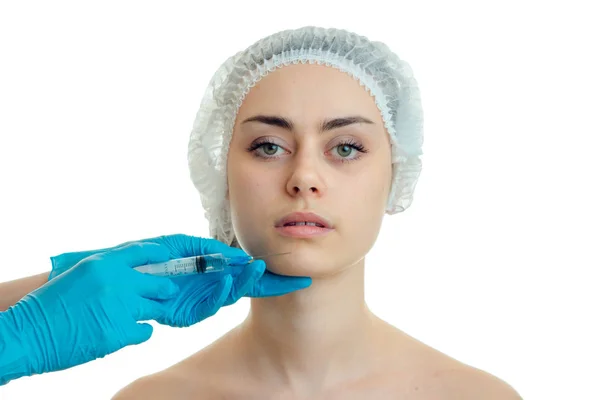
x=303, y=267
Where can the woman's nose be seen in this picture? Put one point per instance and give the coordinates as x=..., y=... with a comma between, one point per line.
x=298, y=189
x=305, y=179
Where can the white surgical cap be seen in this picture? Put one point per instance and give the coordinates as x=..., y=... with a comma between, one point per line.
x=387, y=78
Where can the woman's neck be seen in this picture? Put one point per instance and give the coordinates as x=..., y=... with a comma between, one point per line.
x=312, y=336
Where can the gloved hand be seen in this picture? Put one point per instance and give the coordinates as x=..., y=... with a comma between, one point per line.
x=187, y=308
x=91, y=310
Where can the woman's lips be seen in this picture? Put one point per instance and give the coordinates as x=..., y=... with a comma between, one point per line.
x=302, y=231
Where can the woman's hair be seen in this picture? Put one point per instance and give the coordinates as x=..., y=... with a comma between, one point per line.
x=385, y=76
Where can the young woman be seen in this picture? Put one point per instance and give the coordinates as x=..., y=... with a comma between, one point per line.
x=302, y=143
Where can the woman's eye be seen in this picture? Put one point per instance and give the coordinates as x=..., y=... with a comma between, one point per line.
x=265, y=149
x=344, y=150
x=270, y=149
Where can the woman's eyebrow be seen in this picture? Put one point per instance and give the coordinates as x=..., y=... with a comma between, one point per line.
x=326, y=125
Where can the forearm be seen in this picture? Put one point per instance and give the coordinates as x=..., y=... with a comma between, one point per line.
x=13, y=291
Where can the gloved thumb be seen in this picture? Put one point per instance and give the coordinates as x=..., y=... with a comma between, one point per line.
x=140, y=333
x=271, y=284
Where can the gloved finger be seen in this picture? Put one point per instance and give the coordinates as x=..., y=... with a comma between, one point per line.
x=182, y=245
x=153, y=287
x=189, y=246
x=156, y=240
x=136, y=254
x=179, y=245
x=217, y=298
x=247, y=279
x=211, y=246
x=65, y=261
x=140, y=333
x=147, y=310
x=271, y=284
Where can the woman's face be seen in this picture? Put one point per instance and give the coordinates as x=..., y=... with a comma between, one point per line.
x=286, y=160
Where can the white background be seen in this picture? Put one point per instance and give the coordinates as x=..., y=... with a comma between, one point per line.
x=494, y=262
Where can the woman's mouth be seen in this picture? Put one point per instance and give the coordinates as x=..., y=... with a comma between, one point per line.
x=303, y=229
x=300, y=223
x=303, y=225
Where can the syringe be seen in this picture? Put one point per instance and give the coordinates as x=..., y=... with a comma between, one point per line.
x=204, y=264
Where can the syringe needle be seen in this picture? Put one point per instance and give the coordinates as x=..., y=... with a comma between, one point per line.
x=268, y=255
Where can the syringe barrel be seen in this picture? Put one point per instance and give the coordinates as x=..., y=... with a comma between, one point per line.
x=210, y=263
x=185, y=266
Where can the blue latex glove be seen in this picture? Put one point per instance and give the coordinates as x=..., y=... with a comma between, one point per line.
x=89, y=311
x=188, y=308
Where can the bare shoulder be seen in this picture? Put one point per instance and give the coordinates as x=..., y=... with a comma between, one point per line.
x=200, y=376
x=422, y=373
x=467, y=383
x=158, y=386
x=175, y=382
